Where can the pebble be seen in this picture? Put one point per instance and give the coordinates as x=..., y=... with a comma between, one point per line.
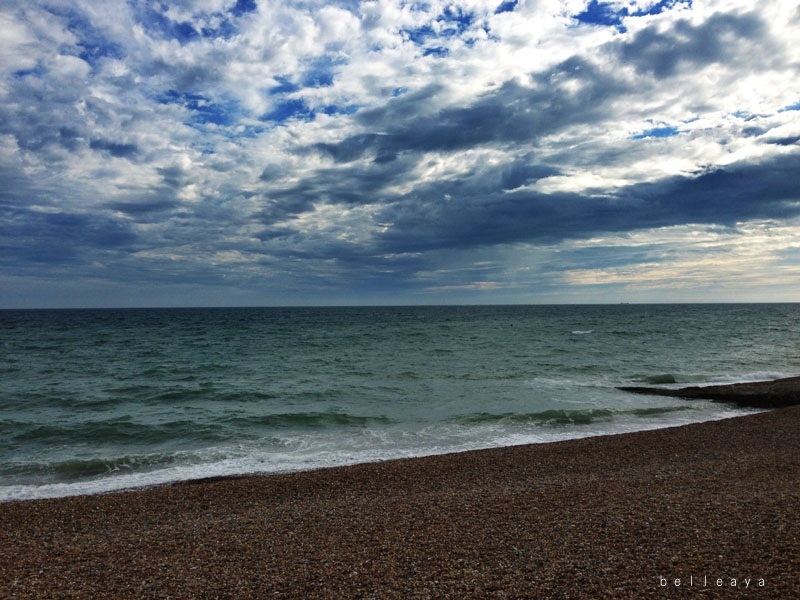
x=603, y=517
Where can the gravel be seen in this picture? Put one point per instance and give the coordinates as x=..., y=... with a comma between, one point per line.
x=713, y=505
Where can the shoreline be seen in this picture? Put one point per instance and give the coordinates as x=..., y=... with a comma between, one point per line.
x=775, y=393
x=605, y=516
x=164, y=482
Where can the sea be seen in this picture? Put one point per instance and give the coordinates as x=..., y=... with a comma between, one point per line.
x=93, y=401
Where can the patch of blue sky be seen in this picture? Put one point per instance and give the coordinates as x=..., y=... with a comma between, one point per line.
x=795, y=106
x=95, y=50
x=607, y=14
x=663, y=131
x=660, y=7
x=437, y=51
x=92, y=45
x=452, y=22
x=152, y=16
x=292, y=109
x=509, y=6
x=285, y=86
x=347, y=109
x=36, y=71
x=419, y=35
x=225, y=30
x=227, y=23
x=203, y=110
x=242, y=7
x=319, y=72
x=157, y=23
x=602, y=13
x=160, y=25
x=456, y=21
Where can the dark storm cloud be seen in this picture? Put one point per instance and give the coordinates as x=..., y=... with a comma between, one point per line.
x=475, y=217
x=36, y=131
x=785, y=141
x=344, y=184
x=476, y=210
x=664, y=53
x=116, y=149
x=60, y=237
x=173, y=176
x=517, y=113
x=514, y=113
x=144, y=210
x=481, y=208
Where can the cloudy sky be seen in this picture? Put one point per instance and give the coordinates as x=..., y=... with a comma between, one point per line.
x=280, y=152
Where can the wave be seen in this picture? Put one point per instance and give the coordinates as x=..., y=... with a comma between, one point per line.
x=656, y=411
x=312, y=447
x=206, y=392
x=560, y=417
x=236, y=427
x=706, y=379
x=118, y=431
x=309, y=420
x=77, y=469
x=670, y=378
x=661, y=378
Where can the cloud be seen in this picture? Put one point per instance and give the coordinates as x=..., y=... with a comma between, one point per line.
x=572, y=93
x=358, y=151
x=722, y=197
x=74, y=237
x=686, y=46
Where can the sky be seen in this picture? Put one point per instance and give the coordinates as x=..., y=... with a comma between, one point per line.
x=297, y=152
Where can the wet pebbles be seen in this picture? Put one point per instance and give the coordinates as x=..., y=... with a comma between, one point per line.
x=707, y=509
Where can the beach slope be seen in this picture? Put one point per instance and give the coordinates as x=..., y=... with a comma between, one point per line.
x=709, y=508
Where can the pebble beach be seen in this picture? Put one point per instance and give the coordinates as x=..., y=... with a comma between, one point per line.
x=707, y=509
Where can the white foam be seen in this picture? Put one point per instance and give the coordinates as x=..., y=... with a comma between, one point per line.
x=315, y=452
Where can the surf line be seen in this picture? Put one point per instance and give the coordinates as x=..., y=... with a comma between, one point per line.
x=714, y=582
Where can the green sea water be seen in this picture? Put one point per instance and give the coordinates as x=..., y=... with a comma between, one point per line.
x=97, y=400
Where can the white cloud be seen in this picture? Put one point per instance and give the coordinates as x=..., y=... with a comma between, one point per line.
x=698, y=257
x=390, y=128
x=17, y=45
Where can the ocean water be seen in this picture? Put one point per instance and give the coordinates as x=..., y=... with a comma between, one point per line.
x=99, y=400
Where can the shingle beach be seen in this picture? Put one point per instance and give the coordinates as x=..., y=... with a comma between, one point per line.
x=708, y=510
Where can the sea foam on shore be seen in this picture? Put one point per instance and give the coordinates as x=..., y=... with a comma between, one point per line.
x=609, y=516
